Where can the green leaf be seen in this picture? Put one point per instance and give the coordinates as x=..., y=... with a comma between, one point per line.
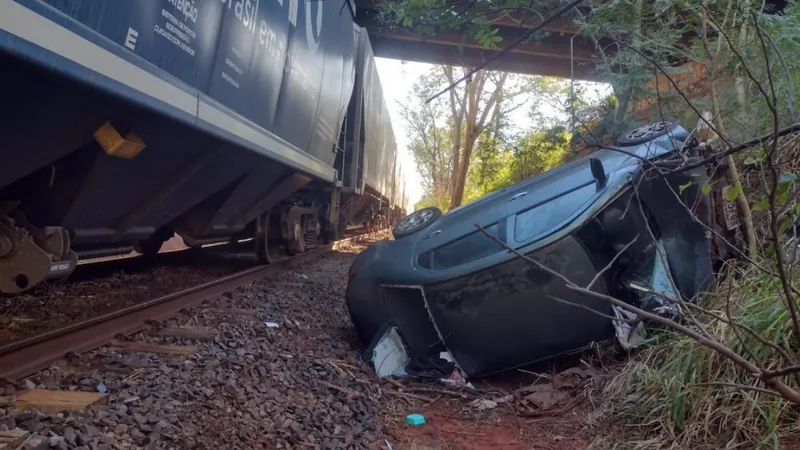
x=785, y=225
x=762, y=205
x=683, y=187
x=733, y=193
x=783, y=197
x=706, y=188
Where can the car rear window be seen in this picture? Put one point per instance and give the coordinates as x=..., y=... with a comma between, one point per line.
x=546, y=217
x=469, y=248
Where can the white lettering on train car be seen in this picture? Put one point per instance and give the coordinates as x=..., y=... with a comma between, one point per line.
x=246, y=12
x=313, y=42
x=186, y=7
x=130, y=39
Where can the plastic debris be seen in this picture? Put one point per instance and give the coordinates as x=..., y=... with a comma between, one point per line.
x=101, y=388
x=388, y=445
x=415, y=419
x=482, y=404
x=457, y=379
x=271, y=324
x=389, y=356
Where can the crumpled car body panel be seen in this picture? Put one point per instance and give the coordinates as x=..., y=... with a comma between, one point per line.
x=451, y=288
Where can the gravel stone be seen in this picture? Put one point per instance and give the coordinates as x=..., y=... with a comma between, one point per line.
x=70, y=435
x=36, y=443
x=248, y=387
x=138, y=436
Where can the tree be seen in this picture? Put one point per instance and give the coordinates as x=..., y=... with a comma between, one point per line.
x=455, y=123
x=539, y=151
x=429, y=141
x=471, y=108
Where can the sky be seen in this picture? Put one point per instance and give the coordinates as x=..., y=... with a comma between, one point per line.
x=397, y=78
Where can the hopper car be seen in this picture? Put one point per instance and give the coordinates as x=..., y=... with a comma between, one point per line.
x=126, y=123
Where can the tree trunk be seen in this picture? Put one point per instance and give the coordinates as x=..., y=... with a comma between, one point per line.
x=457, y=115
x=475, y=122
x=461, y=178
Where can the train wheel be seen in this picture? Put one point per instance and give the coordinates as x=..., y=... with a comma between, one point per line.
x=267, y=252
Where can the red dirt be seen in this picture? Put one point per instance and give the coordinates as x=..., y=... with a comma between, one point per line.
x=455, y=425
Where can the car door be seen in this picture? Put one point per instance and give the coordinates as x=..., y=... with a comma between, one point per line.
x=453, y=245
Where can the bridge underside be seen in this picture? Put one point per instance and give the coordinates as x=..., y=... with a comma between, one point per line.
x=561, y=53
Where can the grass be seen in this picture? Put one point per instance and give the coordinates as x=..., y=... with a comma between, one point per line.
x=660, y=395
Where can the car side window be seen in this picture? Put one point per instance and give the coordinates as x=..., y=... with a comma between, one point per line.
x=471, y=247
x=545, y=217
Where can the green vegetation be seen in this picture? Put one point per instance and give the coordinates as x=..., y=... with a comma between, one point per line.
x=680, y=392
x=487, y=149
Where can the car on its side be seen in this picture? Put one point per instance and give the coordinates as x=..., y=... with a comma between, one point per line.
x=456, y=283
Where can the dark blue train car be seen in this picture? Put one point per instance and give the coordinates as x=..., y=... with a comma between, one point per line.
x=126, y=122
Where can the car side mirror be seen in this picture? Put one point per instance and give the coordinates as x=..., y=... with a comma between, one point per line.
x=598, y=172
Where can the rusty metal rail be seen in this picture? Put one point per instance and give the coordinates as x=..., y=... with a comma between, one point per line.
x=27, y=356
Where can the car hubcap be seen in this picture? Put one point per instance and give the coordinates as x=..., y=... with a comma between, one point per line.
x=648, y=130
x=415, y=220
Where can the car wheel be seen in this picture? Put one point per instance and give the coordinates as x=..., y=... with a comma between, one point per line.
x=416, y=221
x=645, y=133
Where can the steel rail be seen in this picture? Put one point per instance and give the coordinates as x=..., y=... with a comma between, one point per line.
x=21, y=358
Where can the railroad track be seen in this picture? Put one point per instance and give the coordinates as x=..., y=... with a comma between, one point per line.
x=21, y=358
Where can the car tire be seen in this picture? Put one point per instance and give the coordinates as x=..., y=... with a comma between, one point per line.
x=645, y=133
x=416, y=221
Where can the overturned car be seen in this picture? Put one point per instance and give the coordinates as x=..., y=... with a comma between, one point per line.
x=453, y=291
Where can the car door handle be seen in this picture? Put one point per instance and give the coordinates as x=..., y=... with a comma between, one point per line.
x=520, y=195
x=433, y=234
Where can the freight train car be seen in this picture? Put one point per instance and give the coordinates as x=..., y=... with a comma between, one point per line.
x=125, y=122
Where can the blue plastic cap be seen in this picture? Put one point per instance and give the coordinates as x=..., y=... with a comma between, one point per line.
x=415, y=419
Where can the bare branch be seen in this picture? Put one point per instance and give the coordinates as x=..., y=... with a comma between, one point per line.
x=592, y=310
x=739, y=387
x=611, y=263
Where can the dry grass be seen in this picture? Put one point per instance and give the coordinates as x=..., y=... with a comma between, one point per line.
x=660, y=397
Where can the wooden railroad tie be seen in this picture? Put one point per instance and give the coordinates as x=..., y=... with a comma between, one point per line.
x=179, y=350
x=11, y=439
x=195, y=333
x=53, y=402
x=241, y=312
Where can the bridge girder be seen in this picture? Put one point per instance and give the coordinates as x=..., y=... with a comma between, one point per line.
x=558, y=54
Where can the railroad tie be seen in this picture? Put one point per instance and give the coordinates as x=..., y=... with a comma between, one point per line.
x=53, y=402
x=241, y=312
x=194, y=333
x=146, y=347
x=11, y=439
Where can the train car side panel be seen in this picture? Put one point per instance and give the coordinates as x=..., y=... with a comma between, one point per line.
x=178, y=36
x=249, y=67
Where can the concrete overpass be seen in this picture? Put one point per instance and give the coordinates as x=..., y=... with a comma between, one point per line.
x=549, y=57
